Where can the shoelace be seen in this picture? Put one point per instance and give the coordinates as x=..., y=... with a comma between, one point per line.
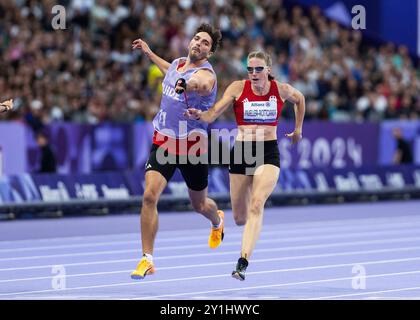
x=241, y=268
x=143, y=262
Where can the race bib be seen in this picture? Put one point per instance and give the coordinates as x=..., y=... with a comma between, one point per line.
x=260, y=111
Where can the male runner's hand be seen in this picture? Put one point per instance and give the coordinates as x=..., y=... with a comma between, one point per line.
x=6, y=105
x=295, y=136
x=180, y=86
x=143, y=46
x=193, y=114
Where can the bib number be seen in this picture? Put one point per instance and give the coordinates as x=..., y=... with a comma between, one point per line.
x=260, y=111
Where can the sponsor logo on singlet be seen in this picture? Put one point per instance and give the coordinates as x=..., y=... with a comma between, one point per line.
x=261, y=111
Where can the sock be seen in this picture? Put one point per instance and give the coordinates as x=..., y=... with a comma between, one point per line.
x=216, y=226
x=149, y=257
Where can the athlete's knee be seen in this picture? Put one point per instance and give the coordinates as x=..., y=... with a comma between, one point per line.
x=240, y=220
x=150, y=198
x=199, y=206
x=257, y=205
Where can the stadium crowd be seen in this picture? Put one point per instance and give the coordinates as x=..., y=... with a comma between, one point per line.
x=88, y=72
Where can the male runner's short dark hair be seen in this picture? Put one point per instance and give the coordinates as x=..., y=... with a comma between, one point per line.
x=214, y=34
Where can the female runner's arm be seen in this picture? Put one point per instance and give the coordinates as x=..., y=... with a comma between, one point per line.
x=287, y=92
x=231, y=93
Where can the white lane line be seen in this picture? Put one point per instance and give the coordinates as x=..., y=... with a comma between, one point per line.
x=71, y=246
x=234, y=234
x=329, y=266
x=277, y=285
x=75, y=238
x=225, y=244
x=221, y=253
x=256, y=261
x=367, y=293
x=286, y=226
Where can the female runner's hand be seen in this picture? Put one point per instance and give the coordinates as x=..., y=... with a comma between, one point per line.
x=295, y=136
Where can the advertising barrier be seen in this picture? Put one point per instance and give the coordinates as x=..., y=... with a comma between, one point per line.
x=123, y=185
x=84, y=149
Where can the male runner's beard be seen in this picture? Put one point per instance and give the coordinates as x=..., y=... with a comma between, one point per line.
x=196, y=55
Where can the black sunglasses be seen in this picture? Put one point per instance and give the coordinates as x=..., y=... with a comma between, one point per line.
x=257, y=69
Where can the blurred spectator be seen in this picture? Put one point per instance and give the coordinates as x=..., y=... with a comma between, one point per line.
x=403, y=153
x=47, y=157
x=88, y=73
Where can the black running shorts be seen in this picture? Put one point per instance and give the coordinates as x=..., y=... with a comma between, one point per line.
x=247, y=156
x=195, y=175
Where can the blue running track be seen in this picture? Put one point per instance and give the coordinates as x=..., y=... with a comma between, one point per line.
x=306, y=252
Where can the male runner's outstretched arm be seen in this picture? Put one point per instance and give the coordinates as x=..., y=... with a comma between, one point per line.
x=162, y=64
x=201, y=81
